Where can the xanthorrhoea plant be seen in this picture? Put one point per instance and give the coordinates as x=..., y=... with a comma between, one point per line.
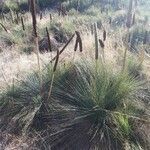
x=90, y=106
x=87, y=107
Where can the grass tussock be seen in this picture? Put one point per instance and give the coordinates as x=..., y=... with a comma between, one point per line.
x=90, y=105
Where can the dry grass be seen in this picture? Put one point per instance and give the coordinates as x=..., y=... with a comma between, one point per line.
x=10, y=68
x=14, y=66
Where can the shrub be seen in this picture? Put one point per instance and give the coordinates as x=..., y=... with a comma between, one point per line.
x=119, y=18
x=134, y=67
x=138, y=35
x=81, y=6
x=62, y=31
x=14, y=37
x=9, y=5
x=93, y=11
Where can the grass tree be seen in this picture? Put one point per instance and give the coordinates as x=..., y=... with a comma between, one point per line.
x=93, y=103
x=89, y=107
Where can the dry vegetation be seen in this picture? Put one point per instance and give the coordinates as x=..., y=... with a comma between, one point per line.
x=75, y=77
